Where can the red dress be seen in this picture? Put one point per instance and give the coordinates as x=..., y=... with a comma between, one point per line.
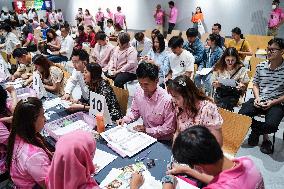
x=92, y=39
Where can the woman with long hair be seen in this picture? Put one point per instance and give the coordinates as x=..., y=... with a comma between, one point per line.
x=88, y=18
x=197, y=17
x=53, y=40
x=28, y=155
x=51, y=75
x=229, y=67
x=194, y=107
x=91, y=36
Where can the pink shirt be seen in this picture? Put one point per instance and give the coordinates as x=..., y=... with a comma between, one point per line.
x=276, y=16
x=99, y=16
x=159, y=17
x=124, y=60
x=244, y=175
x=119, y=18
x=109, y=15
x=4, y=134
x=30, y=164
x=103, y=54
x=88, y=20
x=157, y=113
x=207, y=115
x=173, y=15
x=52, y=18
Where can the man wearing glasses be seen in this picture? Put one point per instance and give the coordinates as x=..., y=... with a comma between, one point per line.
x=268, y=89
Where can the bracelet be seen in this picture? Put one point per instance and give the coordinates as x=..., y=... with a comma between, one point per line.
x=168, y=179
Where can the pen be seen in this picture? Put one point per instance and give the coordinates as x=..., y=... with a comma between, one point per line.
x=144, y=157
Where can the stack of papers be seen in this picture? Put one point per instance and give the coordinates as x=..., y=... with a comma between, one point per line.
x=127, y=141
x=102, y=159
x=18, y=83
x=54, y=102
x=204, y=71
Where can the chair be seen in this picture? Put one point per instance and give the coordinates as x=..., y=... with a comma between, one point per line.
x=258, y=41
x=227, y=40
x=234, y=130
x=122, y=98
x=4, y=55
x=65, y=73
x=204, y=37
x=254, y=61
x=12, y=60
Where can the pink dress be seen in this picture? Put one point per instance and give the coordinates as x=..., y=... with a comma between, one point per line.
x=159, y=18
x=4, y=134
x=276, y=16
x=30, y=164
x=88, y=20
x=244, y=175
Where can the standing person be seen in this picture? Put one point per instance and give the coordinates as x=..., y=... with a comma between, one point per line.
x=172, y=16
x=216, y=29
x=159, y=18
x=88, y=19
x=119, y=18
x=79, y=15
x=100, y=19
x=109, y=14
x=276, y=19
x=197, y=17
x=52, y=19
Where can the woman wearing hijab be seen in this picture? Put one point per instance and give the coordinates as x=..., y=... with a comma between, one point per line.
x=72, y=160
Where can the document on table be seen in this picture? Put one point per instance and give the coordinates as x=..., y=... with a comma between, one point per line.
x=18, y=83
x=54, y=102
x=204, y=71
x=77, y=125
x=102, y=159
x=228, y=82
x=181, y=184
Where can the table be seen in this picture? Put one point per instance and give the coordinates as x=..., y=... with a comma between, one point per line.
x=160, y=152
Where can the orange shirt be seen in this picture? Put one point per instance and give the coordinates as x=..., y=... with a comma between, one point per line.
x=196, y=17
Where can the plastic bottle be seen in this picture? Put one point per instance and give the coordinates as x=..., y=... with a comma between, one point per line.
x=100, y=123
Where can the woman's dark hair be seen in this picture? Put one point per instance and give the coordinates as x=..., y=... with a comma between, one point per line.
x=87, y=11
x=155, y=32
x=147, y=70
x=96, y=75
x=171, y=3
x=43, y=62
x=123, y=38
x=221, y=64
x=26, y=30
x=91, y=28
x=52, y=31
x=238, y=31
x=101, y=36
x=81, y=28
x=162, y=44
x=4, y=111
x=196, y=145
x=216, y=38
x=23, y=125
x=199, y=9
x=185, y=87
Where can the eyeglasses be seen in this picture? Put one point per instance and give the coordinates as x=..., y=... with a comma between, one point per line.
x=272, y=50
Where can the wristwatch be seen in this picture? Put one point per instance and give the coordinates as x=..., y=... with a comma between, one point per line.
x=168, y=179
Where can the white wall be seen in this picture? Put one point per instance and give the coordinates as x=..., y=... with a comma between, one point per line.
x=249, y=15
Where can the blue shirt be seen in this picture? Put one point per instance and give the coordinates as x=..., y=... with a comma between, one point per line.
x=44, y=32
x=196, y=48
x=162, y=60
x=210, y=57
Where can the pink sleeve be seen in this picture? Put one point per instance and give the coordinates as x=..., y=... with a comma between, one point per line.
x=131, y=61
x=282, y=15
x=30, y=37
x=38, y=165
x=4, y=134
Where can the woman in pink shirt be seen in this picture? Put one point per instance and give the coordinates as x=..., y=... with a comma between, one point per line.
x=72, y=165
x=123, y=64
x=88, y=18
x=28, y=156
x=194, y=107
x=53, y=40
x=30, y=41
x=159, y=18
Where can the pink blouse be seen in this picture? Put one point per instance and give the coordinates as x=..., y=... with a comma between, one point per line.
x=4, y=134
x=30, y=164
x=88, y=20
x=207, y=115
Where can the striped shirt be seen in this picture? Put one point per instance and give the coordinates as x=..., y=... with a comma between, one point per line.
x=270, y=82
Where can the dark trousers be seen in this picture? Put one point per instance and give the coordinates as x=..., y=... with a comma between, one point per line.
x=57, y=58
x=121, y=78
x=171, y=27
x=273, y=117
x=101, y=24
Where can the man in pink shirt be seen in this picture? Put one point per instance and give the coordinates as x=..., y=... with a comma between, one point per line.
x=119, y=18
x=109, y=14
x=100, y=19
x=198, y=148
x=153, y=104
x=172, y=16
x=276, y=19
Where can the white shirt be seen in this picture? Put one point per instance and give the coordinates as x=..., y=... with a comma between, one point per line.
x=109, y=31
x=182, y=63
x=143, y=47
x=77, y=78
x=11, y=42
x=67, y=45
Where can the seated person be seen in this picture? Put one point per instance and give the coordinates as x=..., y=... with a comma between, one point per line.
x=268, y=89
x=141, y=43
x=79, y=59
x=153, y=104
x=240, y=43
x=91, y=36
x=28, y=156
x=11, y=40
x=199, y=149
x=81, y=37
x=160, y=57
x=216, y=29
x=103, y=51
x=109, y=29
x=194, y=107
x=52, y=76
x=53, y=41
x=210, y=58
x=29, y=41
x=25, y=67
x=229, y=67
x=44, y=28
x=123, y=63
x=181, y=61
x=73, y=161
x=93, y=78
x=66, y=48
x=194, y=45
x=117, y=30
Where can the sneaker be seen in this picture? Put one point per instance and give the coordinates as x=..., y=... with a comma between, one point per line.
x=266, y=147
x=253, y=139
